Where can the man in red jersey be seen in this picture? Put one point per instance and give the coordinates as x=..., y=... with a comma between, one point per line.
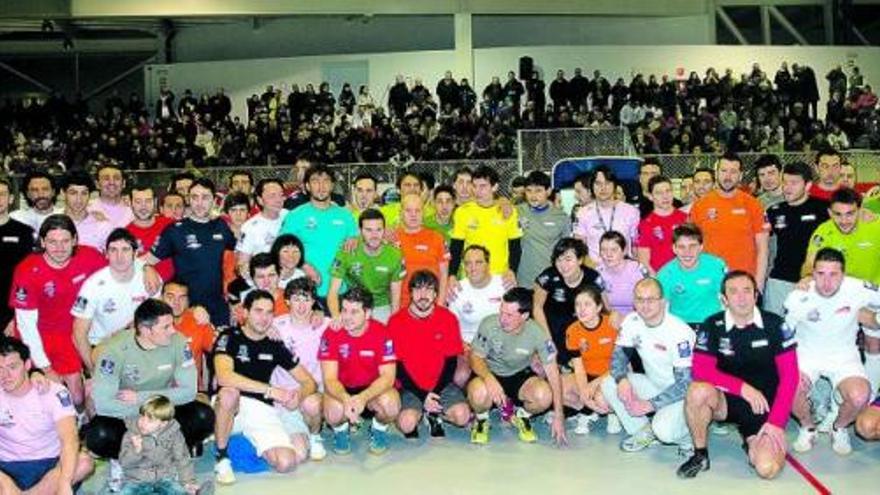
x=359, y=366
x=428, y=343
x=44, y=287
x=147, y=226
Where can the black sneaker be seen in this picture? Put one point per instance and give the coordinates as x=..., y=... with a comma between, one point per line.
x=435, y=424
x=692, y=467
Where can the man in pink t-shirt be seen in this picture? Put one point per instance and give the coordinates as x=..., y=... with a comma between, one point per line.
x=110, y=201
x=39, y=445
x=303, y=339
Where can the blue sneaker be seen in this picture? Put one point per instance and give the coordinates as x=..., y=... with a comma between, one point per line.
x=342, y=442
x=378, y=441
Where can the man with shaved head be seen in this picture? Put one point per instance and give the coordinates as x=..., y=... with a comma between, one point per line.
x=422, y=248
x=665, y=345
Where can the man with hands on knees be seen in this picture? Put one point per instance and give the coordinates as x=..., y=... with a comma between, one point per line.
x=746, y=373
x=501, y=358
x=358, y=364
x=244, y=360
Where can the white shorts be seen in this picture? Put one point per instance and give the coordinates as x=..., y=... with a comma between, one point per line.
x=267, y=427
x=834, y=368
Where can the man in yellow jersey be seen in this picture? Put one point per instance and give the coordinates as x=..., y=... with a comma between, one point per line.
x=482, y=222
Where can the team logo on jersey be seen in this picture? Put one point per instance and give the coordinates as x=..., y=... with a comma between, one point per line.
x=780, y=222
x=222, y=342
x=325, y=346
x=6, y=418
x=357, y=268
x=684, y=349
x=192, y=242
x=474, y=224
x=131, y=373
x=559, y=295
x=817, y=240
x=549, y=346
x=583, y=345
x=49, y=289
x=311, y=223
x=108, y=366
x=187, y=354
x=64, y=398
x=712, y=213
x=678, y=289
x=109, y=306
x=389, y=348
x=497, y=346
x=813, y=316
x=344, y=351
x=702, y=339
x=21, y=294
x=637, y=341
x=523, y=223
x=658, y=233
x=724, y=346
x=243, y=355
x=467, y=308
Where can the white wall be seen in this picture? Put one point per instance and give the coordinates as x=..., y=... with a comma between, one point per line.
x=245, y=77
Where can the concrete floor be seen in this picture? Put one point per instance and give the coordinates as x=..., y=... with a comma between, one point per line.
x=453, y=466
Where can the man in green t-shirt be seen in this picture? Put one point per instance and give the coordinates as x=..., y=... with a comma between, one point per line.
x=850, y=233
x=373, y=264
x=444, y=205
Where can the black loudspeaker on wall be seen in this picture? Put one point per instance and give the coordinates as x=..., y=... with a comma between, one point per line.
x=526, y=67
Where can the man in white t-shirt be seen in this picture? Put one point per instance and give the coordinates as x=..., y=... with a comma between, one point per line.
x=107, y=299
x=478, y=296
x=826, y=320
x=39, y=445
x=259, y=232
x=303, y=339
x=665, y=345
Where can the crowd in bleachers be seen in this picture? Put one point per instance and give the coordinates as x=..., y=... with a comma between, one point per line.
x=751, y=111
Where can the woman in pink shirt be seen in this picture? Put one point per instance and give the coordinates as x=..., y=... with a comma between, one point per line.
x=619, y=272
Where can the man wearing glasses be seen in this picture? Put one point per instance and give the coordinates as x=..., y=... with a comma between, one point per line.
x=665, y=345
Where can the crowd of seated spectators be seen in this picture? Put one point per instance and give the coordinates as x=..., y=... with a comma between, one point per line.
x=708, y=114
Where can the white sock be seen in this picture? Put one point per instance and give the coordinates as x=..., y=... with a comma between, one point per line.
x=342, y=427
x=872, y=368
x=482, y=416
x=522, y=413
x=379, y=426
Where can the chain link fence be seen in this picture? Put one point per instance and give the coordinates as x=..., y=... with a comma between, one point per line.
x=540, y=149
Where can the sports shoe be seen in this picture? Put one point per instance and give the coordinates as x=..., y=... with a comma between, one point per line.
x=693, y=466
x=114, y=483
x=826, y=423
x=342, y=442
x=480, y=432
x=805, y=440
x=613, y=427
x=583, y=423
x=840, y=441
x=640, y=440
x=223, y=472
x=720, y=429
x=524, y=429
x=435, y=425
x=378, y=441
x=317, y=452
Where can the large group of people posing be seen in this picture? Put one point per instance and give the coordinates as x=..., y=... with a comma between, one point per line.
x=142, y=323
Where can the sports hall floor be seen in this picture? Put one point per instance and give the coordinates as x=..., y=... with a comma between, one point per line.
x=590, y=464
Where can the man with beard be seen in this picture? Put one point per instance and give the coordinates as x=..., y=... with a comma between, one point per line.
x=39, y=194
x=428, y=344
x=733, y=222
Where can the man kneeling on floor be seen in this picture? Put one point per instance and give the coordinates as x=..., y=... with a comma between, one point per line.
x=745, y=373
x=359, y=365
x=428, y=343
x=244, y=359
x=39, y=446
x=501, y=358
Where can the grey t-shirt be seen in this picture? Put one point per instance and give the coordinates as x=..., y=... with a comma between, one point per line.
x=541, y=230
x=507, y=354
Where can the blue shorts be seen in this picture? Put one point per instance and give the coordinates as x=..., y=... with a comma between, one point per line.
x=26, y=474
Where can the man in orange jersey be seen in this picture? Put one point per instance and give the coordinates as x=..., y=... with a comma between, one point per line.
x=198, y=331
x=733, y=222
x=422, y=248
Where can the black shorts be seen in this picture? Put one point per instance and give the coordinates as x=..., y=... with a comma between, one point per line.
x=513, y=383
x=739, y=412
x=449, y=396
x=26, y=474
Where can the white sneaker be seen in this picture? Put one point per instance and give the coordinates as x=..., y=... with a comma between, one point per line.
x=317, y=451
x=805, y=440
x=114, y=483
x=613, y=427
x=583, y=423
x=548, y=417
x=223, y=472
x=720, y=429
x=840, y=441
